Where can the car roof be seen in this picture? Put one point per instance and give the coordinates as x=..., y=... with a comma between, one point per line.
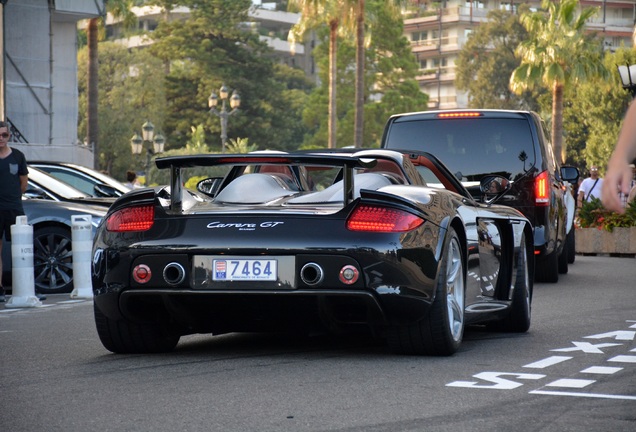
x=484, y=113
x=99, y=176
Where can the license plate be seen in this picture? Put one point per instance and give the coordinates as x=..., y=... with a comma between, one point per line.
x=244, y=269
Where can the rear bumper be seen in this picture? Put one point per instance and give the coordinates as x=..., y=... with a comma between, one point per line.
x=222, y=311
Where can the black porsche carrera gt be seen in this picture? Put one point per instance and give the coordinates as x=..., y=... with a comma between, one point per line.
x=377, y=239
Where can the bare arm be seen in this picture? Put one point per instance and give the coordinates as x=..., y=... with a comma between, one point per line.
x=619, y=173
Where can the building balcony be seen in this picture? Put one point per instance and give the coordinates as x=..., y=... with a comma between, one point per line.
x=456, y=14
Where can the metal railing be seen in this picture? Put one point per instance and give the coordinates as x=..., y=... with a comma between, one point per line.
x=16, y=135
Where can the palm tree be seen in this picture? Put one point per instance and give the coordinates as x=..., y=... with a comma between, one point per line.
x=119, y=9
x=557, y=54
x=358, y=130
x=359, y=11
x=314, y=13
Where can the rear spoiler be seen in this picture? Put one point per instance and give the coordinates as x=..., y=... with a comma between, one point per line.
x=176, y=163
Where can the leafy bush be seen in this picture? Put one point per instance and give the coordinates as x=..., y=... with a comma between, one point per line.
x=594, y=215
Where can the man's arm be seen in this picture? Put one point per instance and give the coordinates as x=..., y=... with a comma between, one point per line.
x=619, y=173
x=24, y=183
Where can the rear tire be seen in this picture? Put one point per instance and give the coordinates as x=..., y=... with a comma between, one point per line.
x=124, y=337
x=441, y=332
x=547, y=270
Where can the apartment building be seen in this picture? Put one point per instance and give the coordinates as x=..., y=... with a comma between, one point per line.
x=271, y=25
x=438, y=30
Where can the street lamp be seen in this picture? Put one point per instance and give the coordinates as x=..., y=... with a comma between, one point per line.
x=147, y=135
x=628, y=76
x=235, y=102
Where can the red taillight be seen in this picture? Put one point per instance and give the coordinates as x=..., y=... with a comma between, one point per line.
x=463, y=114
x=542, y=189
x=131, y=219
x=376, y=218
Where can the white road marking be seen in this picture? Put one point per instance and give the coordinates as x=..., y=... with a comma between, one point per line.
x=587, y=347
x=623, y=359
x=604, y=370
x=624, y=335
x=570, y=383
x=546, y=362
x=498, y=383
x=584, y=395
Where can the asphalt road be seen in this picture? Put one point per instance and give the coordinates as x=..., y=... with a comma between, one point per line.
x=575, y=370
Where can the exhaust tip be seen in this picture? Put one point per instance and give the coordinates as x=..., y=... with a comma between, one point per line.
x=312, y=274
x=173, y=273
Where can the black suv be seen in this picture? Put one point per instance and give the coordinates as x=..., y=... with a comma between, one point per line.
x=513, y=144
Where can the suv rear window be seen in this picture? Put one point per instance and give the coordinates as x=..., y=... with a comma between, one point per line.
x=470, y=148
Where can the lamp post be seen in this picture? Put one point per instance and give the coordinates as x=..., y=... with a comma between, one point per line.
x=628, y=76
x=223, y=114
x=147, y=136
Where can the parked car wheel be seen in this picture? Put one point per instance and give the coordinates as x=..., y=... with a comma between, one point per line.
x=124, y=337
x=442, y=331
x=53, y=260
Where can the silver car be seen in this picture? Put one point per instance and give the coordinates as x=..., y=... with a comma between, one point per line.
x=86, y=179
x=49, y=205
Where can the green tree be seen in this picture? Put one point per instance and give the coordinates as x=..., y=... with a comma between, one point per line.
x=359, y=85
x=390, y=70
x=487, y=60
x=360, y=11
x=556, y=55
x=119, y=9
x=213, y=48
x=315, y=13
x=131, y=91
x=594, y=114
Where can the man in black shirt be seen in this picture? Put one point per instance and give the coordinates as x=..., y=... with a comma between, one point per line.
x=13, y=178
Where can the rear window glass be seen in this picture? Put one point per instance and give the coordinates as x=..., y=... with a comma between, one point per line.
x=470, y=148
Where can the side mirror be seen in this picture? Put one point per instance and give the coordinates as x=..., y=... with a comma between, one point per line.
x=209, y=186
x=570, y=174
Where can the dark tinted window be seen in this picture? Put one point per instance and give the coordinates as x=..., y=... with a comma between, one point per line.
x=470, y=148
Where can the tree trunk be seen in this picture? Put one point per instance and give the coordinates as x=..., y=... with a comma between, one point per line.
x=92, y=128
x=557, y=122
x=359, y=96
x=333, y=30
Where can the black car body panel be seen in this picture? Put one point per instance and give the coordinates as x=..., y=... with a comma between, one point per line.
x=514, y=144
x=193, y=238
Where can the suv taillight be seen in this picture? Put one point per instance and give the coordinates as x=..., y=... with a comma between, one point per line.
x=131, y=219
x=542, y=189
x=375, y=218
